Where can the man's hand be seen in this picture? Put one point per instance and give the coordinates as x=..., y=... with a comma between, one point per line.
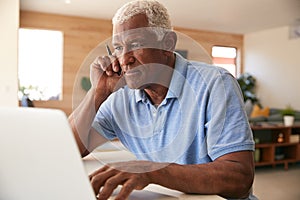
x=133, y=175
x=229, y=176
x=104, y=69
x=105, y=80
x=104, y=77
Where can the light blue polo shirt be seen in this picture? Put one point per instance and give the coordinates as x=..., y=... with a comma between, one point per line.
x=201, y=118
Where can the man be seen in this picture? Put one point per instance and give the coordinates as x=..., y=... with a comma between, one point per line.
x=183, y=120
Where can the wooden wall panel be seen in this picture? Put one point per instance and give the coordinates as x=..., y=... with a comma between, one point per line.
x=208, y=39
x=82, y=35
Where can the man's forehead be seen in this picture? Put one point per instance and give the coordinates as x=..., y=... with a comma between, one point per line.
x=138, y=32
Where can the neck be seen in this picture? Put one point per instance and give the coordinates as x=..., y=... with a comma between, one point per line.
x=157, y=92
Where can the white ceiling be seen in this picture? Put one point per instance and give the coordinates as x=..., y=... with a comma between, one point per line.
x=232, y=16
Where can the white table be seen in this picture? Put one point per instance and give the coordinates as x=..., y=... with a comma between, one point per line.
x=116, y=153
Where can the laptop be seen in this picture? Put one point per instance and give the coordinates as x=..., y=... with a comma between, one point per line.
x=39, y=158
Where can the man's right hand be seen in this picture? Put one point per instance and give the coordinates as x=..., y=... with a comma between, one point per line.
x=105, y=80
x=104, y=77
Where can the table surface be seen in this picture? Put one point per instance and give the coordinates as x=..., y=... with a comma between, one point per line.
x=116, y=153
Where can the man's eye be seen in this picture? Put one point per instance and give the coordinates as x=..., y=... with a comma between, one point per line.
x=136, y=45
x=118, y=48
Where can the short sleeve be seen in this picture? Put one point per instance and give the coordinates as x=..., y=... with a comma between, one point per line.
x=103, y=122
x=227, y=124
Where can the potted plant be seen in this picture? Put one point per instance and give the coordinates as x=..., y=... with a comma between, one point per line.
x=247, y=84
x=288, y=115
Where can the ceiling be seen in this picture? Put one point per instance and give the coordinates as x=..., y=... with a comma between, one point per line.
x=231, y=16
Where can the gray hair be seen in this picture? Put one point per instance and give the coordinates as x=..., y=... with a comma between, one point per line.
x=157, y=15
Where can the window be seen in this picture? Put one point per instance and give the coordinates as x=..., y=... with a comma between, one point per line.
x=40, y=64
x=225, y=57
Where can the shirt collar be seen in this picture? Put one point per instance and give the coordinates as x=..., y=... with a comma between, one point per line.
x=178, y=77
x=177, y=81
x=140, y=96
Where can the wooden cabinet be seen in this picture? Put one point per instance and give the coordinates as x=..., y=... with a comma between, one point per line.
x=276, y=144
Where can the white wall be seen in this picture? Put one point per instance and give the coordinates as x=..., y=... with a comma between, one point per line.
x=9, y=23
x=274, y=60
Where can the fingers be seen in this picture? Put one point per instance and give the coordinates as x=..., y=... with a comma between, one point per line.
x=116, y=66
x=121, y=173
x=99, y=177
x=108, y=178
x=104, y=64
x=110, y=185
x=127, y=188
x=105, y=72
x=109, y=64
x=98, y=172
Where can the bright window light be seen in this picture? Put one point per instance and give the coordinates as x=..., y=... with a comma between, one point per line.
x=224, y=52
x=225, y=57
x=40, y=64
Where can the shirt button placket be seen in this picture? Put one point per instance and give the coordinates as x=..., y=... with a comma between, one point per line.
x=154, y=113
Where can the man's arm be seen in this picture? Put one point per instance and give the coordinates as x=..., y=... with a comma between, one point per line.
x=81, y=121
x=229, y=176
x=104, y=80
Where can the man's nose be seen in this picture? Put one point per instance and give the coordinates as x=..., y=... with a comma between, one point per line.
x=126, y=59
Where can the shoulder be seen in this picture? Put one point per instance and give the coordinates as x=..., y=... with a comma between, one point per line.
x=207, y=74
x=199, y=70
x=206, y=71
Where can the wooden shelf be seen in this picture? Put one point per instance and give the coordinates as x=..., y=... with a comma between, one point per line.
x=263, y=145
x=271, y=152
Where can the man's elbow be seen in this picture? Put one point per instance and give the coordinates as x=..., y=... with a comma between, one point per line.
x=243, y=191
x=240, y=189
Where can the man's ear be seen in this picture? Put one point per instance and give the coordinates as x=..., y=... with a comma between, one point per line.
x=169, y=41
